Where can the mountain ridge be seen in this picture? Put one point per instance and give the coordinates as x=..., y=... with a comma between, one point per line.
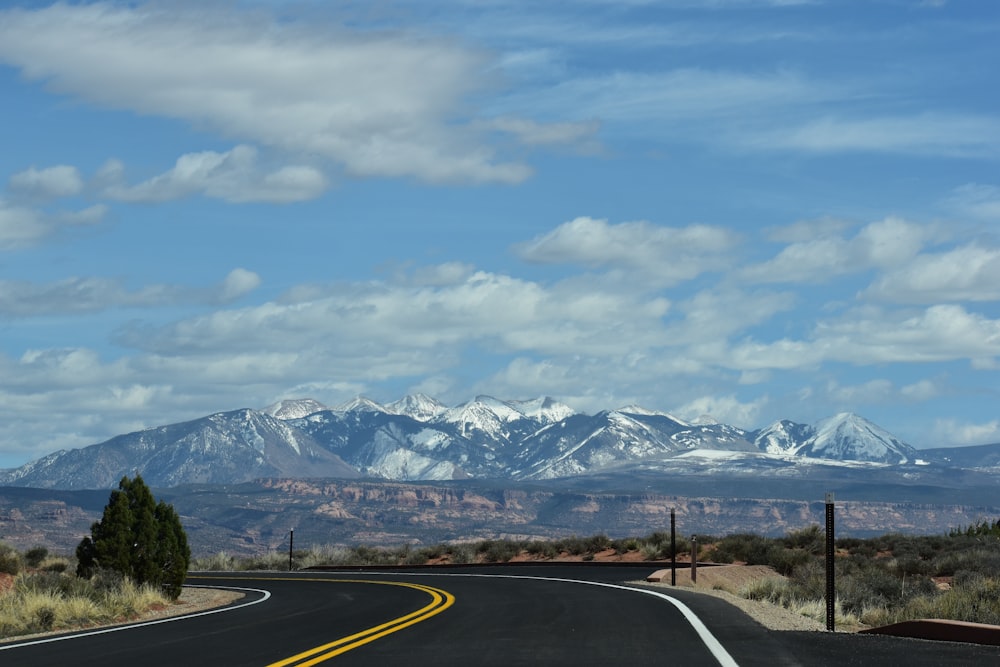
x=419, y=438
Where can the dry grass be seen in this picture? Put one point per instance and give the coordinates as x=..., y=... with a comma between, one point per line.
x=43, y=602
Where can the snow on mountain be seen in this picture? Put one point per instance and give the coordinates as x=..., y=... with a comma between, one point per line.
x=418, y=406
x=782, y=437
x=223, y=448
x=361, y=404
x=848, y=436
x=293, y=408
x=544, y=409
x=418, y=438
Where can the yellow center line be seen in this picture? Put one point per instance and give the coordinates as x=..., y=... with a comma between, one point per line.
x=440, y=600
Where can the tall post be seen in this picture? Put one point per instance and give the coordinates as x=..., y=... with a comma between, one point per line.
x=694, y=559
x=291, y=543
x=673, y=548
x=831, y=589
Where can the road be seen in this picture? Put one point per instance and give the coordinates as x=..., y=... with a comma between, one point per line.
x=495, y=616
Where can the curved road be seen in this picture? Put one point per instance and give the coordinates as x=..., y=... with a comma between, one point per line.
x=482, y=616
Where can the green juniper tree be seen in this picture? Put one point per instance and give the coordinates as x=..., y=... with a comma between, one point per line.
x=137, y=538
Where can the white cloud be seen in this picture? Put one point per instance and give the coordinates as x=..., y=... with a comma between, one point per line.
x=725, y=409
x=976, y=200
x=956, y=433
x=924, y=390
x=675, y=97
x=968, y=273
x=377, y=103
x=22, y=226
x=875, y=336
x=48, y=183
x=872, y=392
x=666, y=254
x=882, y=244
x=532, y=133
x=940, y=134
x=233, y=176
x=93, y=294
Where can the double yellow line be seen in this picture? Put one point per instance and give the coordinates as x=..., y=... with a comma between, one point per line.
x=440, y=600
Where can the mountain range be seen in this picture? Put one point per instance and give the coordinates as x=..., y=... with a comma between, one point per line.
x=420, y=439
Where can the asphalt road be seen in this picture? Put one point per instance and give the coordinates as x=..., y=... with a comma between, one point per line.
x=495, y=616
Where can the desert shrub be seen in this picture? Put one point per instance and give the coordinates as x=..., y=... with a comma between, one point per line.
x=574, y=545
x=785, y=561
x=499, y=551
x=10, y=560
x=35, y=555
x=746, y=547
x=629, y=544
x=413, y=557
x=982, y=559
x=598, y=542
x=811, y=539
x=542, y=549
x=54, y=565
x=462, y=554
x=218, y=562
x=268, y=561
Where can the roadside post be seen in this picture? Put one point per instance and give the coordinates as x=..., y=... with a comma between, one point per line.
x=291, y=542
x=831, y=590
x=673, y=548
x=694, y=559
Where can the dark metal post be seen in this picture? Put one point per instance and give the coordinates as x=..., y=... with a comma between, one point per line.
x=694, y=559
x=673, y=548
x=291, y=542
x=831, y=590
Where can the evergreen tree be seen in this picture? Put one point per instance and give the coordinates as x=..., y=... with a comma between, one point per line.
x=138, y=538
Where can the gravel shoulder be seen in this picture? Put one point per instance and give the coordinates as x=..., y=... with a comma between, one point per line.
x=726, y=581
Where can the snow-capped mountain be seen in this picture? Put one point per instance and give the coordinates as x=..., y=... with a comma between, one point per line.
x=221, y=448
x=419, y=438
x=294, y=408
x=843, y=437
x=418, y=406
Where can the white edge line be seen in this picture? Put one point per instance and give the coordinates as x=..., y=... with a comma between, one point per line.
x=130, y=626
x=714, y=646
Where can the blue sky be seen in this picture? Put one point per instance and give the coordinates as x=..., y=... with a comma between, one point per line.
x=751, y=209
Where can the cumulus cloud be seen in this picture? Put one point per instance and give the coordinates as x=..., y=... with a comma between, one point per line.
x=865, y=336
x=233, y=176
x=22, y=226
x=375, y=103
x=883, y=244
x=95, y=294
x=725, y=409
x=968, y=273
x=666, y=254
x=953, y=432
x=47, y=183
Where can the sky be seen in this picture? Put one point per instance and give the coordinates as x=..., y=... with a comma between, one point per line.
x=749, y=209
